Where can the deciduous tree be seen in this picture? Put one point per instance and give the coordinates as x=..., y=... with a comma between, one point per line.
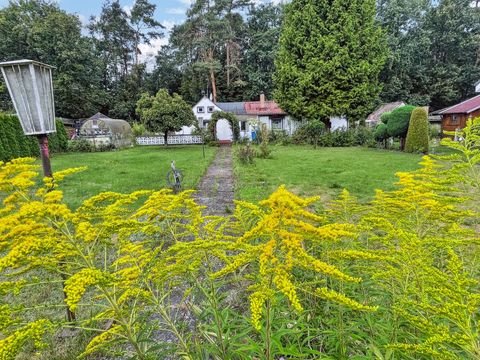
x=164, y=113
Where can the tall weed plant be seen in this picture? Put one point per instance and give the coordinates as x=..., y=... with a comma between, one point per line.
x=150, y=276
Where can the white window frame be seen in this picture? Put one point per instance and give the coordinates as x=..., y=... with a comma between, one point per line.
x=210, y=109
x=278, y=121
x=200, y=109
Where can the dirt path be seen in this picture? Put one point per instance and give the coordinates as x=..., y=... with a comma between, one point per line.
x=215, y=190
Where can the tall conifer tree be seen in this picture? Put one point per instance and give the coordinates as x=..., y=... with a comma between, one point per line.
x=330, y=56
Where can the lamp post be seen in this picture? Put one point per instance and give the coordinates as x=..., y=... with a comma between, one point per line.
x=30, y=86
x=31, y=89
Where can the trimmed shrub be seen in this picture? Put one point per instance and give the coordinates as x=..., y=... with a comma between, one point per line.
x=381, y=132
x=397, y=122
x=13, y=143
x=417, y=136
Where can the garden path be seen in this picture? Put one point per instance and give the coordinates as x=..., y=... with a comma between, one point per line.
x=215, y=190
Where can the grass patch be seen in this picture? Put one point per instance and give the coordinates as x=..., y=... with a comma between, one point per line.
x=323, y=171
x=129, y=169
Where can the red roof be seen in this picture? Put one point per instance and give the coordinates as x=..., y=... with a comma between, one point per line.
x=268, y=108
x=465, y=107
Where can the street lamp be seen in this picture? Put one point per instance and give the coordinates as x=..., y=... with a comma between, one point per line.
x=31, y=89
x=30, y=86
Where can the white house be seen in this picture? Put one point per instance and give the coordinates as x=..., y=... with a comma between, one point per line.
x=250, y=115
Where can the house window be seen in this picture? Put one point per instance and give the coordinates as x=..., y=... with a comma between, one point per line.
x=200, y=109
x=210, y=109
x=455, y=120
x=243, y=126
x=277, y=123
x=205, y=123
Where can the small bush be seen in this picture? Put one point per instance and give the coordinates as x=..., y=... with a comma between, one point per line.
x=307, y=134
x=280, y=137
x=363, y=136
x=80, y=145
x=434, y=131
x=264, y=150
x=138, y=129
x=417, y=136
x=246, y=154
x=243, y=141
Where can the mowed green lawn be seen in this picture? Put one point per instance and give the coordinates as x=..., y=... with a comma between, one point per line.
x=128, y=170
x=322, y=171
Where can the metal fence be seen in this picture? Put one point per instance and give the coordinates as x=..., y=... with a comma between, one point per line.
x=172, y=140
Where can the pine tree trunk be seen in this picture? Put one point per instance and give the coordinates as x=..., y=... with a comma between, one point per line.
x=228, y=64
x=212, y=75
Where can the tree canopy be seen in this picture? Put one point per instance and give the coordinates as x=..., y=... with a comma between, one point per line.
x=164, y=113
x=330, y=56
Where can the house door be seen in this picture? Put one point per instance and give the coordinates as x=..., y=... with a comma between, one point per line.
x=224, y=131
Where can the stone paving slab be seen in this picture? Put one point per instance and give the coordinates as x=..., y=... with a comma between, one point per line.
x=216, y=187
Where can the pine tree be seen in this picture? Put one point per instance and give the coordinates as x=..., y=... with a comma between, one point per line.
x=331, y=53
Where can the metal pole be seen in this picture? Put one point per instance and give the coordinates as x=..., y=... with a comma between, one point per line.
x=44, y=154
x=47, y=172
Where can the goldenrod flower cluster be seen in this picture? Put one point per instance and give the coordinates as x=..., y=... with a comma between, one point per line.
x=13, y=344
x=76, y=285
x=418, y=244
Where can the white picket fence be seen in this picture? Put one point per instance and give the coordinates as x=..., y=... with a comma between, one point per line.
x=172, y=140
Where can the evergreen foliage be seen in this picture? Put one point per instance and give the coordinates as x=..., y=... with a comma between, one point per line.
x=434, y=50
x=13, y=142
x=417, y=136
x=330, y=56
x=397, y=121
x=381, y=132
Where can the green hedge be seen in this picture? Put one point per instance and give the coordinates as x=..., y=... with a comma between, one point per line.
x=13, y=143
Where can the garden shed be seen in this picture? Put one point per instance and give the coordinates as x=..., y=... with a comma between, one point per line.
x=101, y=130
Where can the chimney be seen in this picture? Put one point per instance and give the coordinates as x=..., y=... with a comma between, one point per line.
x=262, y=100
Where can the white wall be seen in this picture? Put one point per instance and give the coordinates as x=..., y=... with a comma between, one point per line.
x=205, y=115
x=338, y=122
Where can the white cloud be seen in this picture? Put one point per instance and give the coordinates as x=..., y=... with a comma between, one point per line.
x=186, y=2
x=83, y=19
x=150, y=51
x=128, y=9
x=176, y=11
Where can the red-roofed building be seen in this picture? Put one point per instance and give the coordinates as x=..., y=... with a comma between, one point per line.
x=250, y=115
x=265, y=108
x=456, y=116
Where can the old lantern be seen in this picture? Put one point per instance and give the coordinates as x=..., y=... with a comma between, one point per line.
x=30, y=86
